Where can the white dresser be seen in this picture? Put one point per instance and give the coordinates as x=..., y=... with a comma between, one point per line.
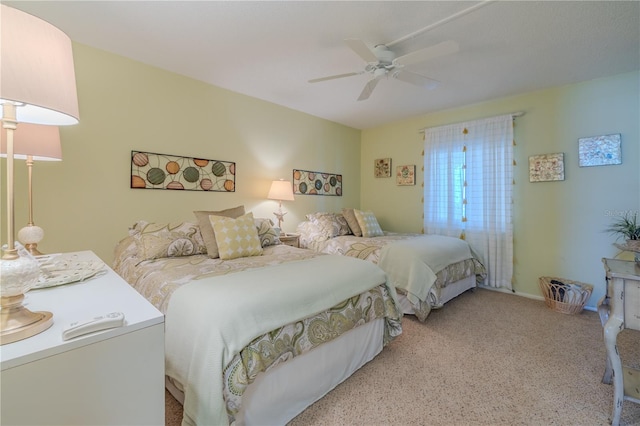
x=111, y=377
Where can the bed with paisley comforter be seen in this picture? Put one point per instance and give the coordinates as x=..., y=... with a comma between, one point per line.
x=256, y=339
x=427, y=270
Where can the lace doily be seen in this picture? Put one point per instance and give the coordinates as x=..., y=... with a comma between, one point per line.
x=59, y=269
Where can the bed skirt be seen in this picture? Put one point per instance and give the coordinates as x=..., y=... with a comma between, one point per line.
x=283, y=392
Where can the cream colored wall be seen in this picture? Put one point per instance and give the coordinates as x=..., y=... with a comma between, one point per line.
x=557, y=225
x=85, y=203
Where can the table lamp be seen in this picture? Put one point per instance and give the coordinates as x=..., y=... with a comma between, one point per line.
x=32, y=142
x=281, y=190
x=37, y=85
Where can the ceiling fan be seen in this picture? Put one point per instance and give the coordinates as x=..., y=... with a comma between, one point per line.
x=382, y=63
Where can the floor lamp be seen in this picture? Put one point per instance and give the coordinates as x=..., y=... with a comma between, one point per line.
x=37, y=85
x=32, y=142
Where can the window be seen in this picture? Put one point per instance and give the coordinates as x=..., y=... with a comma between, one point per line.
x=467, y=191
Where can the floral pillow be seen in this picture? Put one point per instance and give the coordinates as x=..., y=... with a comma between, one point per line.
x=158, y=240
x=368, y=223
x=310, y=233
x=330, y=224
x=344, y=228
x=236, y=237
x=268, y=235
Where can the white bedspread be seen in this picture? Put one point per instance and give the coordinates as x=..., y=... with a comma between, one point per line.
x=413, y=264
x=208, y=321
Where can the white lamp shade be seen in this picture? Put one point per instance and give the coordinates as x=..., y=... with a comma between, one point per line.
x=41, y=142
x=281, y=190
x=36, y=69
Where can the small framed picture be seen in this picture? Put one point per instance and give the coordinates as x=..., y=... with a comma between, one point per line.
x=406, y=175
x=546, y=167
x=599, y=150
x=382, y=168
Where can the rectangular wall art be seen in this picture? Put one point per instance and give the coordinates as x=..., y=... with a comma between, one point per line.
x=316, y=183
x=599, y=150
x=382, y=168
x=161, y=171
x=406, y=175
x=546, y=167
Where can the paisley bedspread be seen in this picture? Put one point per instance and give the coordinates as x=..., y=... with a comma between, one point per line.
x=423, y=294
x=158, y=280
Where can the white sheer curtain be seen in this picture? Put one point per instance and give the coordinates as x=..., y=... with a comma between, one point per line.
x=468, y=181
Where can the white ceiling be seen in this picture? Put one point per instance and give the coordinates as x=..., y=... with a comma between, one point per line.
x=270, y=49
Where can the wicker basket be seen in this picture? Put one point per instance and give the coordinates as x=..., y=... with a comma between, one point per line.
x=566, y=296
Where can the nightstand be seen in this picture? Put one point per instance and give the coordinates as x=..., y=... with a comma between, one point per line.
x=292, y=240
x=112, y=377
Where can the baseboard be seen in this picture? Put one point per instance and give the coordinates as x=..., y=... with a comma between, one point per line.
x=527, y=295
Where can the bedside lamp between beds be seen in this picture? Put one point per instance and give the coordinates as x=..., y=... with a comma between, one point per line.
x=281, y=190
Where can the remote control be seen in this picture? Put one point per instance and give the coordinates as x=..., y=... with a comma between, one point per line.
x=102, y=322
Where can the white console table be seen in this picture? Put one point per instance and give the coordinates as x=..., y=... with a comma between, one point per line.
x=110, y=377
x=620, y=309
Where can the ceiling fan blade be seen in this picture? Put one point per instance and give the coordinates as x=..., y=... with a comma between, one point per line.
x=332, y=77
x=422, y=55
x=361, y=49
x=415, y=78
x=368, y=89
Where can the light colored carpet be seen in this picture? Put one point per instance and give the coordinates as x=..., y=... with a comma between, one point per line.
x=486, y=358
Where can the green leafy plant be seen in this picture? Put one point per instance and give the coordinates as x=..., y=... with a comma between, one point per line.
x=626, y=226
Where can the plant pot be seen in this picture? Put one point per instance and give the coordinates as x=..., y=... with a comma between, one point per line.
x=634, y=245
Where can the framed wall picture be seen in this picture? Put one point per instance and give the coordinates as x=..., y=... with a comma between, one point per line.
x=306, y=182
x=599, y=150
x=151, y=170
x=406, y=175
x=382, y=168
x=546, y=167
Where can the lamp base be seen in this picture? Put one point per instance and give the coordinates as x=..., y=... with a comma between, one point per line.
x=30, y=236
x=33, y=249
x=18, y=323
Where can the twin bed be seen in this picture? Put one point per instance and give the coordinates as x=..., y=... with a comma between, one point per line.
x=257, y=332
x=256, y=339
x=426, y=270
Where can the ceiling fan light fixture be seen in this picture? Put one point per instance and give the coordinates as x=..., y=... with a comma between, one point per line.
x=384, y=55
x=380, y=72
x=382, y=62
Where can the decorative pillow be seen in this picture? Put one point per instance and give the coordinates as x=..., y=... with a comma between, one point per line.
x=158, y=240
x=350, y=217
x=344, y=228
x=330, y=224
x=207, y=231
x=310, y=233
x=268, y=235
x=327, y=224
x=236, y=237
x=368, y=224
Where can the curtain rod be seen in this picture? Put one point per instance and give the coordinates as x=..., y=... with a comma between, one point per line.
x=513, y=115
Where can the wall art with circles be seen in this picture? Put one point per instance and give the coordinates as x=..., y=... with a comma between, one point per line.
x=306, y=182
x=150, y=170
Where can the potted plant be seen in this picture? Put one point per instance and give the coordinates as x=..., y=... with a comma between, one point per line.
x=627, y=227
